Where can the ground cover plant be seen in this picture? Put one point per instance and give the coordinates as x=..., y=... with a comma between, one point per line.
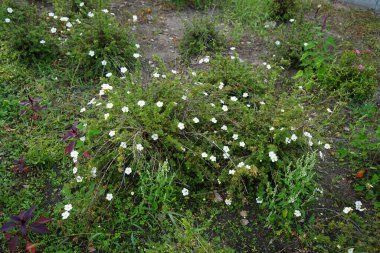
x=153, y=127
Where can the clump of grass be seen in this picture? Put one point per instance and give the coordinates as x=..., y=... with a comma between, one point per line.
x=201, y=36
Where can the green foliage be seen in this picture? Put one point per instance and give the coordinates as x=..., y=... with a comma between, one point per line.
x=283, y=10
x=289, y=39
x=201, y=36
x=290, y=190
x=25, y=33
x=64, y=7
x=197, y=4
x=109, y=41
x=362, y=151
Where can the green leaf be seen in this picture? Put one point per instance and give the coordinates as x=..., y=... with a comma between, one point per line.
x=298, y=75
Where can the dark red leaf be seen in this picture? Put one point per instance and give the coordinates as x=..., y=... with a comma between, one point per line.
x=70, y=147
x=29, y=213
x=42, y=220
x=31, y=247
x=39, y=228
x=86, y=154
x=16, y=218
x=8, y=226
x=12, y=243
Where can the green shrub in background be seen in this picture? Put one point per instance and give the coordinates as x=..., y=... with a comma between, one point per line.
x=283, y=10
x=289, y=39
x=28, y=34
x=201, y=36
x=197, y=4
x=97, y=39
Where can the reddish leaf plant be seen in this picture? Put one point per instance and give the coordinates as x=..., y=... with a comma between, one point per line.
x=21, y=227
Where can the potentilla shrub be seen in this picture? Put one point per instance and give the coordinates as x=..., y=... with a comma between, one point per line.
x=201, y=36
x=28, y=34
x=212, y=129
x=96, y=44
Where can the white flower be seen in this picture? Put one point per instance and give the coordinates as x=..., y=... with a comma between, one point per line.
x=112, y=133
x=79, y=179
x=68, y=207
x=106, y=116
x=259, y=200
x=235, y=136
x=42, y=42
x=141, y=103
x=7, y=20
x=184, y=97
x=358, y=206
x=228, y=202
x=156, y=75
x=242, y=144
x=293, y=137
x=350, y=250
x=292, y=20
x=123, y=144
x=287, y=140
x=75, y=170
x=109, y=105
x=64, y=19
x=74, y=154
x=109, y=196
x=159, y=104
x=81, y=4
x=329, y=110
x=91, y=53
x=245, y=94
x=125, y=109
x=53, y=30
x=185, y=192
x=83, y=109
x=297, y=213
x=155, y=137
x=225, y=108
x=241, y=164
x=105, y=11
x=224, y=127
x=305, y=44
x=327, y=146
x=221, y=85
x=51, y=14
x=213, y=158
x=308, y=135
x=277, y=43
x=104, y=62
x=232, y=48
x=273, y=156
x=139, y=147
x=109, y=74
x=231, y=172
x=196, y=120
x=128, y=170
x=123, y=70
x=347, y=209
x=65, y=215
x=181, y=126
x=226, y=149
x=134, y=18
x=93, y=171
x=69, y=24
x=268, y=66
x=136, y=55
x=204, y=155
x=9, y=10
x=262, y=103
x=137, y=45
x=233, y=98
x=83, y=138
x=213, y=120
x=90, y=14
